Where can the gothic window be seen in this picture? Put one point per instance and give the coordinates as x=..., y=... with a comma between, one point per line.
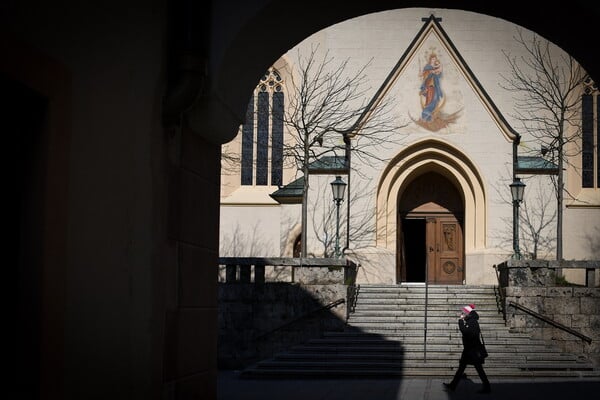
x=262, y=134
x=590, y=155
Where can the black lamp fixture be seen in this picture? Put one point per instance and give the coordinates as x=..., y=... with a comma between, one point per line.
x=338, y=188
x=517, y=189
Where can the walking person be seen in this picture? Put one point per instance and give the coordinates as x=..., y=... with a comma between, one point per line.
x=473, y=350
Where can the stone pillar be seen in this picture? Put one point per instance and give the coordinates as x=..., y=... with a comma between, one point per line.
x=190, y=361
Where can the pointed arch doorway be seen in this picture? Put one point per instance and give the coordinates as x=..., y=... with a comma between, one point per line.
x=430, y=243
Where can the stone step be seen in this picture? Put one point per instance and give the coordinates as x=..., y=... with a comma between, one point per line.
x=430, y=293
x=417, y=325
x=432, y=333
x=440, y=306
x=434, y=323
x=383, y=332
x=389, y=331
x=412, y=288
x=432, y=304
x=456, y=297
x=414, y=305
x=417, y=356
x=417, y=347
x=429, y=364
x=431, y=290
x=420, y=317
x=281, y=372
x=450, y=310
x=384, y=337
x=351, y=340
x=412, y=339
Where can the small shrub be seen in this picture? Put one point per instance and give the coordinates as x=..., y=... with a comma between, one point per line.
x=560, y=280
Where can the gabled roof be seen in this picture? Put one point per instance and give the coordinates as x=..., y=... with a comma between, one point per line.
x=535, y=165
x=432, y=26
x=290, y=193
x=329, y=165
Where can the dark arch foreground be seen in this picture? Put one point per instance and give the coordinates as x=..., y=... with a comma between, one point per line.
x=281, y=24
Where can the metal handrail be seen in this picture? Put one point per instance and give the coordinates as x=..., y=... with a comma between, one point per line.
x=501, y=293
x=551, y=321
x=303, y=316
x=352, y=299
x=426, y=307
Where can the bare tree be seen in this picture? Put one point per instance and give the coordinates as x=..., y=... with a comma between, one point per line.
x=537, y=216
x=230, y=161
x=326, y=107
x=547, y=89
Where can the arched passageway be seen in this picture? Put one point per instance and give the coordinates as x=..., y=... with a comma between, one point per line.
x=110, y=231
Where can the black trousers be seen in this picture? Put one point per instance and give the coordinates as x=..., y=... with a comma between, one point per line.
x=461, y=370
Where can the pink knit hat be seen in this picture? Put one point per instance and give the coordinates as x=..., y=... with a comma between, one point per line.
x=469, y=308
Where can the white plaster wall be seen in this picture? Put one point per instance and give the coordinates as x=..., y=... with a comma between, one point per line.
x=581, y=233
x=480, y=267
x=250, y=231
x=376, y=265
x=291, y=227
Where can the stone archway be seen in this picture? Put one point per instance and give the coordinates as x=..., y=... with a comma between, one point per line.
x=243, y=40
x=269, y=31
x=468, y=209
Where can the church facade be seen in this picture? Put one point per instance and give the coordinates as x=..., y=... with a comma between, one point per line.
x=429, y=199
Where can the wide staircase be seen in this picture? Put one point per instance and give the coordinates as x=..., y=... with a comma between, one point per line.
x=390, y=334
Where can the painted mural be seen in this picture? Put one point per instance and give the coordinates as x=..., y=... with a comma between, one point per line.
x=432, y=96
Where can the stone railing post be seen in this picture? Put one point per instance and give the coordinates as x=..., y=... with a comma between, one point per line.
x=245, y=273
x=590, y=277
x=230, y=273
x=259, y=274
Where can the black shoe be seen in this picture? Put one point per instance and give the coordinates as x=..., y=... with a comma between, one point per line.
x=485, y=390
x=448, y=387
x=463, y=376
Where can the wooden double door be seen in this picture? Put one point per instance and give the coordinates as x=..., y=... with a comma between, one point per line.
x=431, y=249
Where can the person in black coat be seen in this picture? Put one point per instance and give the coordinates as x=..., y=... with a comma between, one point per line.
x=473, y=351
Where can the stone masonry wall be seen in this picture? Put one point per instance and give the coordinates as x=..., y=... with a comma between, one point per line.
x=258, y=320
x=574, y=307
x=532, y=285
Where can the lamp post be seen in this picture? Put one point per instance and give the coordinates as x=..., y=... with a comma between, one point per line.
x=516, y=190
x=338, y=187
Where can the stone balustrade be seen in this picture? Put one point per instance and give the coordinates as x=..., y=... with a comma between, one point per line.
x=269, y=304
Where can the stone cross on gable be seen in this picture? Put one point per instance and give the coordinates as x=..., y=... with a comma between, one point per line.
x=437, y=19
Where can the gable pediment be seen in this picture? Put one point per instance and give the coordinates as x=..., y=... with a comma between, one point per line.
x=433, y=82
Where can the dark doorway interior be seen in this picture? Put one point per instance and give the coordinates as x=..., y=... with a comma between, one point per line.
x=414, y=233
x=23, y=116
